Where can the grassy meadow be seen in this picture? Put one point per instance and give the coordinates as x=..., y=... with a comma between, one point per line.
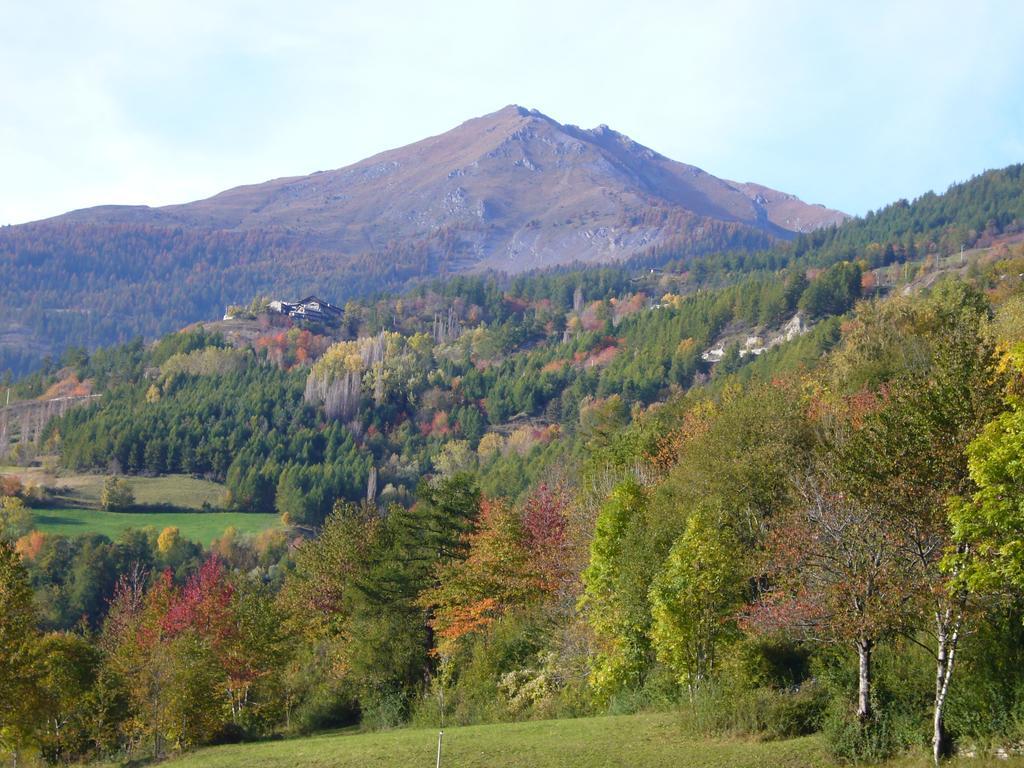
x=201, y=527
x=170, y=500
x=626, y=741
x=73, y=489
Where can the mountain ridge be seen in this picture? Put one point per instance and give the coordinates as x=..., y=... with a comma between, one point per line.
x=476, y=180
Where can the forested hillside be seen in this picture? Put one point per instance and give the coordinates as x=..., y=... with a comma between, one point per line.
x=778, y=492
x=398, y=403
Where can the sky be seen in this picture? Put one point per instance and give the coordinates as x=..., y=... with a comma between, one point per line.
x=851, y=104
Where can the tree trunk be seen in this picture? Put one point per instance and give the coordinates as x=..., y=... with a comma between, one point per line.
x=948, y=634
x=864, y=648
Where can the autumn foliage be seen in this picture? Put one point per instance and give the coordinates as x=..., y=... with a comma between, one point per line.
x=497, y=575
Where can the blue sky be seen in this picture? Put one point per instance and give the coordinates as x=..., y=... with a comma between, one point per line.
x=852, y=104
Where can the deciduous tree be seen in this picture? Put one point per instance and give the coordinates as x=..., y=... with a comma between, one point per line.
x=835, y=575
x=19, y=673
x=696, y=595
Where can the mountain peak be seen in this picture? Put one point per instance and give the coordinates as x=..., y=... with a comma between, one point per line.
x=509, y=113
x=517, y=110
x=513, y=190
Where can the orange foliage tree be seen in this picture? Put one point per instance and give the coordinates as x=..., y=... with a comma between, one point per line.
x=497, y=576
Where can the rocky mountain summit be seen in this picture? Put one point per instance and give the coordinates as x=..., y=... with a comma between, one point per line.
x=511, y=190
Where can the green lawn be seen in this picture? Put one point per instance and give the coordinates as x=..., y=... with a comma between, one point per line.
x=201, y=527
x=637, y=741
x=627, y=741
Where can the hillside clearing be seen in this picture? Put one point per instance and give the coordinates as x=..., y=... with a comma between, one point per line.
x=201, y=527
x=80, y=489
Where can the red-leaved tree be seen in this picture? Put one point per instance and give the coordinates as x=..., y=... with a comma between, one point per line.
x=834, y=575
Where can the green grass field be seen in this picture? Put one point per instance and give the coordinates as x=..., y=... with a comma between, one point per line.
x=75, y=498
x=639, y=741
x=201, y=527
x=628, y=741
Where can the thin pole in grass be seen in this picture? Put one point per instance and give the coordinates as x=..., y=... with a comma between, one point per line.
x=440, y=733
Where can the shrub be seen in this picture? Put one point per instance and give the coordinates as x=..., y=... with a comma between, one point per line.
x=384, y=708
x=116, y=494
x=660, y=691
x=874, y=741
x=795, y=713
x=323, y=707
x=10, y=485
x=15, y=519
x=986, y=702
x=900, y=701
x=724, y=709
